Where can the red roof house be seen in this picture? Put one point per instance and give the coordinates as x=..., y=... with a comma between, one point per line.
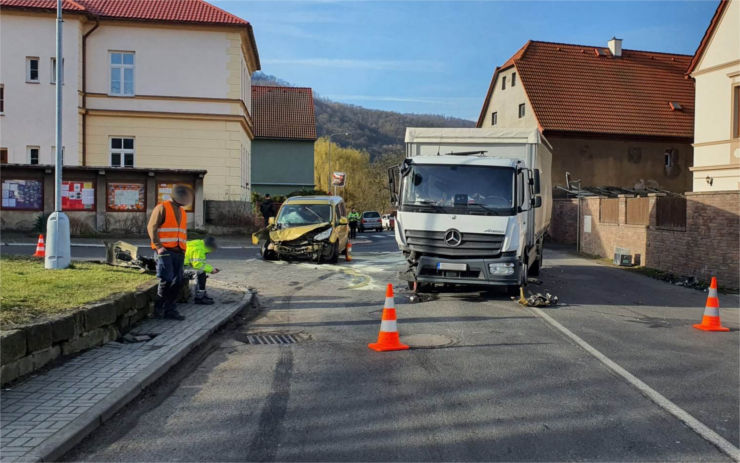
x=614, y=116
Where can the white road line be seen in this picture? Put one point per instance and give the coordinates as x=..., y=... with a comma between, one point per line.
x=698, y=427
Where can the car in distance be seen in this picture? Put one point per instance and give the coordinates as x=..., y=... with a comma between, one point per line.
x=306, y=227
x=370, y=220
x=388, y=221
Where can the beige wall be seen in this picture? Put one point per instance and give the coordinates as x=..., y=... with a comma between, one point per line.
x=716, y=153
x=506, y=104
x=214, y=145
x=604, y=162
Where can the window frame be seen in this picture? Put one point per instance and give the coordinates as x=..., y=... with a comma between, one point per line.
x=4, y=155
x=2, y=99
x=513, y=79
x=735, y=116
x=522, y=110
x=29, y=156
x=29, y=80
x=122, y=152
x=494, y=118
x=121, y=68
x=503, y=82
x=53, y=66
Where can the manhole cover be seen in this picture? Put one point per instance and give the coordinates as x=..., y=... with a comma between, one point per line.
x=268, y=338
x=427, y=341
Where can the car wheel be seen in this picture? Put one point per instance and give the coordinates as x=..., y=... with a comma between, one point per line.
x=334, y=257
x=266, y=253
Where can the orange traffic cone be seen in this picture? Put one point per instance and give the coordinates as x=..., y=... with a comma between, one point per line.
x=710, y=321
x=388, y=337
x=40, y=248
x=349, y=252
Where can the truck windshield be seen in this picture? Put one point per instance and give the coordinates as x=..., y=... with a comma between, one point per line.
x=296, y=215
x=457, y=189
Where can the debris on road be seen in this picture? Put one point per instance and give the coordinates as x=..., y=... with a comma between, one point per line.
x=536, y=300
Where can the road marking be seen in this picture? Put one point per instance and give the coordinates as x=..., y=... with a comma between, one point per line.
x=698, y=427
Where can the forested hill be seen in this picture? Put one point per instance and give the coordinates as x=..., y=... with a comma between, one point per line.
x=374, y=131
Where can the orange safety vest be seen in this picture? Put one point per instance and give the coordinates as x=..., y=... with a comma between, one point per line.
x=170, y=234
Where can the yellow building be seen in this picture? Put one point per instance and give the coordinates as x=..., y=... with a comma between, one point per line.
x=158, y=85
x=716, y=72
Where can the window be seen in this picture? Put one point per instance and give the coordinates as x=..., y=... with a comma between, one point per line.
x=54, y=155
x=122, y=73
x=735, y=112
x=521, y=110
x=494, y=118
x=513, y=79
x=53, y=66
x=503, y=83
x=2, y=98
x=121, y=152
x=33, y=154
x=32, y=69
x=3, y=155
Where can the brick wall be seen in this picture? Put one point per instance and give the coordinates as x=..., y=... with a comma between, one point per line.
x=563, y=227
x=708, y=246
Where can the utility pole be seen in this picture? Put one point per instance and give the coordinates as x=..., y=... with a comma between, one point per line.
x=57, y=227
x=331, y=172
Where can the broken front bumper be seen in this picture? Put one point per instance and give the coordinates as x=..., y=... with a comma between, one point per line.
x=319, y=249
x=482, y=272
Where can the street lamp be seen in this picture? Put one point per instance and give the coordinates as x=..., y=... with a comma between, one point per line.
x=330, y=160
x=57, y=255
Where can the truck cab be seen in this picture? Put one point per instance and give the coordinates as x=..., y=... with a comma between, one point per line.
x=467, y=214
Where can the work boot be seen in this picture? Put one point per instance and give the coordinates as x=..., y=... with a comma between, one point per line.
x=174, y=315
x=202, y=298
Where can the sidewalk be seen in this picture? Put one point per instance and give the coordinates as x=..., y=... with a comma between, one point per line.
x=44, y=416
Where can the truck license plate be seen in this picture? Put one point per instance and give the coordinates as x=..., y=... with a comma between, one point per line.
x=449, y=266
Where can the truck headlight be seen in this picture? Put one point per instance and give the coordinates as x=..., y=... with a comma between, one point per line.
x=324, y=235
x=506, y=268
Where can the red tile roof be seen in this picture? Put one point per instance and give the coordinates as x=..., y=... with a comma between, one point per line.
x=180, y=11
x=573, y=89
x=285, y=113
x=708, y=35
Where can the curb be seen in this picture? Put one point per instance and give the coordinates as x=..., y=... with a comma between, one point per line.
x=69, y=436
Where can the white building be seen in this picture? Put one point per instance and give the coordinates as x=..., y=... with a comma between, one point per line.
x=148, y=84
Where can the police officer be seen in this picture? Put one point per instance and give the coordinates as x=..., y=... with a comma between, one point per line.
x=354, y=222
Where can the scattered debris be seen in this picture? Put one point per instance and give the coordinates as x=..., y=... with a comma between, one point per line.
x=536, y=300
x=134, y=338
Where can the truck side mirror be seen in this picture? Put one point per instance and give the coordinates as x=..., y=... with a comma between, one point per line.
x=537, y=201
x=392, y=185
x=536, y=186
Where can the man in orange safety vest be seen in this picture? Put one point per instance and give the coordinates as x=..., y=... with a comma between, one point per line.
x=168, y=232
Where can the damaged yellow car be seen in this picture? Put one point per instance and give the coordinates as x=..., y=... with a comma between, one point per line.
x=306, y=227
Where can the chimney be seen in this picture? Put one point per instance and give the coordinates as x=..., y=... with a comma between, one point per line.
x=615, y=46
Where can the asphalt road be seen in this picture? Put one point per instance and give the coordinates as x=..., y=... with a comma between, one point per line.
x=487, y=380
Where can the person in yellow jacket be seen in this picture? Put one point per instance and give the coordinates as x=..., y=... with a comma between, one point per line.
x=195, y=261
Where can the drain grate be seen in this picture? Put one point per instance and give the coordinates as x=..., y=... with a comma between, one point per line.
x=270, y=338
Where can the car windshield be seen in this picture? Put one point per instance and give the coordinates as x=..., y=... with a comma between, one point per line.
x=460, y=189
x=296, y=215
x=371, y=215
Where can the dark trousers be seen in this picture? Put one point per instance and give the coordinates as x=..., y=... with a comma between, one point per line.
x=199, y=275
x=170, y=274
x=352, y=230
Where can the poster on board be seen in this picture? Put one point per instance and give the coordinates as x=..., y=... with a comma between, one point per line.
x=126, y=197
x=25, y=195
x=78, y=196
x=164, y=192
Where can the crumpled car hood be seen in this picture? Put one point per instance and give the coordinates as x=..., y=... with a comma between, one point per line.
x=293, y=233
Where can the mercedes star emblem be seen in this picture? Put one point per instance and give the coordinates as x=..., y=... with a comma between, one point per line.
x=453, y=237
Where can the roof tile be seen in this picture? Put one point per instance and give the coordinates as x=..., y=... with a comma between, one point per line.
x=283, y=113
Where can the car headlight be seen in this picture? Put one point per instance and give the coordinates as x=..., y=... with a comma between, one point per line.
x=501, y=269
x=324, y=235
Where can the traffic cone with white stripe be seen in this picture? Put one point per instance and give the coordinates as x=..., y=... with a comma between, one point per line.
x=710, y=321
x=348, y=255
x=388, y=337
x=40, y=247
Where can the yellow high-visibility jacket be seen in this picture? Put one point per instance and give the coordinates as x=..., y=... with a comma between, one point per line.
x=195, y=256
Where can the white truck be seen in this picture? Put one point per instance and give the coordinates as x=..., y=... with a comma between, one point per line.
x=473, y=206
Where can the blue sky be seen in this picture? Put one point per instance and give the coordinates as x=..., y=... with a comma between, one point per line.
x=438, y=56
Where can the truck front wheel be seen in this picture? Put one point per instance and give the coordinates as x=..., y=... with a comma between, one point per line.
x=534, y=269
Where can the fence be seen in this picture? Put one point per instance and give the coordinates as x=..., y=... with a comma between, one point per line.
x=609, y=210
x=670, y=212
x=637, y=211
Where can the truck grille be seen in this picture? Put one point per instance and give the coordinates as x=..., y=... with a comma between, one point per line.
x=472, y=245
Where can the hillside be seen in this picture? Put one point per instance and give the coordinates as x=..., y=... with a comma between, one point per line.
x=374, y=131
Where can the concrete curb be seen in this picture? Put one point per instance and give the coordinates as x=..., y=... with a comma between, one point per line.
x=69, y=436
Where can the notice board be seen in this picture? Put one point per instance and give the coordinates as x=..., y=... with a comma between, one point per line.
x=164, y=193
x=126, y=197
x=78, y=195
x=23, y=195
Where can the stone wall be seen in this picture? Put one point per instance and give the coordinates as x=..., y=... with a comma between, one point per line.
x=709, y=244
x=563, y=228
x=31, y=347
